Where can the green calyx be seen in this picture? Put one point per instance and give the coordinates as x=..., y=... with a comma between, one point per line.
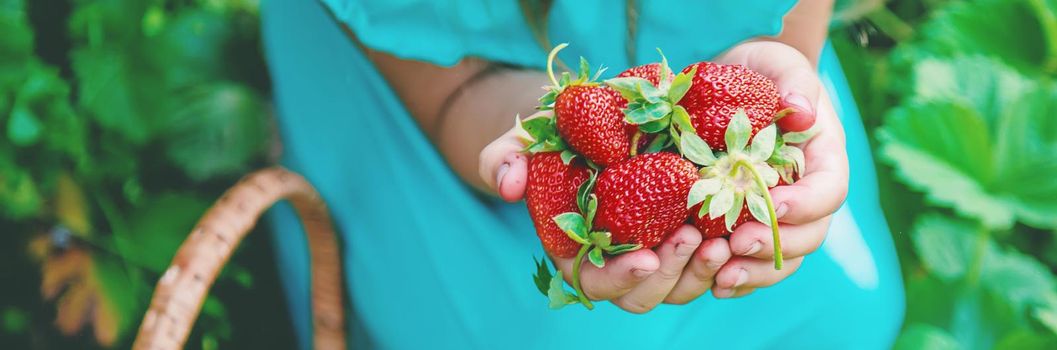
x=655, y=109
x=565, y=80
x=740, y=177
x=594, y=245
x=540, y=134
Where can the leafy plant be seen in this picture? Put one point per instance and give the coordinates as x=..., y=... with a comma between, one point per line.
x=970, y=141
x=120, y=121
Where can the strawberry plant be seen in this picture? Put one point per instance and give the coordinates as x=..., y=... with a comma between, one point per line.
x=959, y=100
x=120, y=122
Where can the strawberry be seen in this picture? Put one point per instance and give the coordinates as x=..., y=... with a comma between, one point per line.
x=590, y=120
x=551, y=190
x=649, y=71
x=718, y=91
x=587, y=115
x=713, y=228
x=642, y=200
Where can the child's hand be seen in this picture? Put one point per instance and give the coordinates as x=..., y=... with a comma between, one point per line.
x=805, y=207
x=680, y=269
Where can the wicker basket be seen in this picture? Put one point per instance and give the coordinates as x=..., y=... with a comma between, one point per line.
x=183, y=288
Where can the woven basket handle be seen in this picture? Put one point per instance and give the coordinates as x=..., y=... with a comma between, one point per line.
x=183, y=288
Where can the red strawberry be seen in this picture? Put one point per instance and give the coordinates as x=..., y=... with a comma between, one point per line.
x=643, y=199
x=649, y=71
x=551, y=190
x=591, y=120
x=712, y=228
x=718, y=91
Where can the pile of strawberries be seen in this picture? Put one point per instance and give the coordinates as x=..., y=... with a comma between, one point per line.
x=623, y=163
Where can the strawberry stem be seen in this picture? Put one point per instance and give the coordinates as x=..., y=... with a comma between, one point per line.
x=770, y=210
x=550, y=63
x=577, y=264
x=635, y=142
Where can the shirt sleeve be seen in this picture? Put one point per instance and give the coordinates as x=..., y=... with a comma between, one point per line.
x=443, y=31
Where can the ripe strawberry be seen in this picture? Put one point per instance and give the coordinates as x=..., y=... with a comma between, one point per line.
x=643, y=199
x=591, y=120
x=718, y=91
x=649, y=71
x=551, y=190
x=713, y=228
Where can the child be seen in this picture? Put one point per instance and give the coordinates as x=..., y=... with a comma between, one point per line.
x=392, y=107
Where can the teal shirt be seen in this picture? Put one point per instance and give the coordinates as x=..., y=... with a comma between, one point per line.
x=432, y=264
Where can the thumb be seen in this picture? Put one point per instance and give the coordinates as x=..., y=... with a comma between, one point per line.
x=797, y=79
x=799, y=88
x=503, y=168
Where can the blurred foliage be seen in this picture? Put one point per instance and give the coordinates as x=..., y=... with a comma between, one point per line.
x=120, y=121
x=960, y=98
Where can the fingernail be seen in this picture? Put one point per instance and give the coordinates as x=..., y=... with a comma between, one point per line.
x=781, y=211
x=641, y=273
x=503, y=169
x=743, y=276
x=800, y=102
x=753, y=249
x=683, y=250
x=722, y=292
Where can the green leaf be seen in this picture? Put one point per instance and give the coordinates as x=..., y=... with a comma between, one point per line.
x=20, y=196
x=735, y=210
x=622, y=248
x=682, y=119
x=595, y=256
x=217, y=130
x=157, y=228
x=758, y=207
x=984, y=27
x=583, y=193
x=628, y=87
x=585, y=69
x=944, y=245
x=542, y=277
x=651, y=94
x=647, y=112
x=767, y=174
x=738, y=132
x=655, y=126
x=592, y=209
x=705, y=206
x=23, y=128
x=763, y=143
x=950, y=166
x=801, y=136
x=695, y=149
x=556, y=292
x=601, y=238
x=660, y=142
x=680, y=85
x=721, y=202
x=795, y=155
x=573, y=225
x=923, y=336
x=567, y=156
x=701, y=189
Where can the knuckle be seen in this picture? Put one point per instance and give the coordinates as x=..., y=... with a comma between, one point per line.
x=636, y=306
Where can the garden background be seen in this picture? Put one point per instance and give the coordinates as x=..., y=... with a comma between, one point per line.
x=121, y=121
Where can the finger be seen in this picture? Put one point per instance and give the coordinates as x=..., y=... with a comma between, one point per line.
x=700, y=273
x=754, y=239
x=824, y=185
x=674, y=253
x=796, y=77
x=620, y=275
x=503, y=168
x=744, y=272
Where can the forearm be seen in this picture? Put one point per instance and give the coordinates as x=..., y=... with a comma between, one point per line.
x=805, y=27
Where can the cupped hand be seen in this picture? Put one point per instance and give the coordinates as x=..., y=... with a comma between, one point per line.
x=677, y=271
x=805, y=207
